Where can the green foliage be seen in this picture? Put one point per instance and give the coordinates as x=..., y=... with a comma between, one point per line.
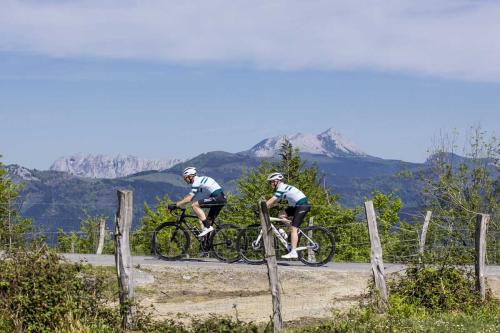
x=219, y=324
x=456, y=191
x=39, y=292
x=485, y=319
x=87, y=239
x=399, y=238
x=436, y=289
x=141, y=237
x=12, y=224
x=424, y=299
x=222, y=325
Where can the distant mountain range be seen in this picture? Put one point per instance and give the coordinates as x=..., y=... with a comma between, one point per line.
x=104, y=166
x=57, y=198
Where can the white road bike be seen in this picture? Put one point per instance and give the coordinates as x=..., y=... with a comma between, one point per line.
x=316, y=244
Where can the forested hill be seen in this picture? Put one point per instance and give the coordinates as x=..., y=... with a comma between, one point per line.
x=59, y=200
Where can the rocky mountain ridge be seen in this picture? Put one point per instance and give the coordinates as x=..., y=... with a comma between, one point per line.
x=329, y=143
x=106, y=166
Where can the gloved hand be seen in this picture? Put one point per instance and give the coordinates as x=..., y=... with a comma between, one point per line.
x=172, y=207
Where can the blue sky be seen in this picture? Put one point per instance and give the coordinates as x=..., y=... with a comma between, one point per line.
x=116, y=77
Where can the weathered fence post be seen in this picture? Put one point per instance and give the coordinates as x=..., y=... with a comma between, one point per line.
x=123, y=259
x=272, y=266
x=310, y=252
x=480, y=243
x=424, y=232
x=72, y=246
x=102, y=233
x=376, y=255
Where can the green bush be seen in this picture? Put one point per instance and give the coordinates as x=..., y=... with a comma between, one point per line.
x=424, y=299
x=145, y=323
x=223, y=325
x=39, y=292
x=445, y=288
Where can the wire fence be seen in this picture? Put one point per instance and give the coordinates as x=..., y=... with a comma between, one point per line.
x=400, y=244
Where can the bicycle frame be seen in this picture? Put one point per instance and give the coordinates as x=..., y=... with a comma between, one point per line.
x=255, y=244
x=194, y=230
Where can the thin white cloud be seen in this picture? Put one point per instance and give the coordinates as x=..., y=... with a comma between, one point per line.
x=447, y=38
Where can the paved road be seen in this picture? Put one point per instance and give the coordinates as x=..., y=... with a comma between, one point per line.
x=109, y=260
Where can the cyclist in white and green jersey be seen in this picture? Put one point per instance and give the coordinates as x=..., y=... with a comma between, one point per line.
x=296, y=210
x=215, y=200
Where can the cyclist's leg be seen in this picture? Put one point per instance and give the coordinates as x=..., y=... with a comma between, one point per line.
x=216, y=207
x=197, y=208
x=298, y=217
x=289, y=213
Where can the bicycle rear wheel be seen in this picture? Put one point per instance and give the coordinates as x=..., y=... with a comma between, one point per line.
x=319, y=248
x=170, y=241
x=224, y=243
x=251, y=250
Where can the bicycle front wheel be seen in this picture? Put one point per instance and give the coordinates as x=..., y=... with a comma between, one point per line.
x=224, y=243
x=170, y=241
x=250, y=245
x=317, y=246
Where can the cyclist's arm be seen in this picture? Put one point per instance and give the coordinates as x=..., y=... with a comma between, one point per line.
x=185, y=200
x=271, y=201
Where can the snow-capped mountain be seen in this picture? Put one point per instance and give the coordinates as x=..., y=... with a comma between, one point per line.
x=329, y=143
x=105, y=166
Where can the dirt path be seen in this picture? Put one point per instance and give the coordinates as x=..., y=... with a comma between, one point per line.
x=242, y=291
x=245, y=291
x=201, y=287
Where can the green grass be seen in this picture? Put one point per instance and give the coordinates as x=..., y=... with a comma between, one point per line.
x=485, y=319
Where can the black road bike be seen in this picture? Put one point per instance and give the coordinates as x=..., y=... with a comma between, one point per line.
x=171, y=240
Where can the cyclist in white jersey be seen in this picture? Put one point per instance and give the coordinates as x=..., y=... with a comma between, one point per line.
x=296, y=210
x=215, y=201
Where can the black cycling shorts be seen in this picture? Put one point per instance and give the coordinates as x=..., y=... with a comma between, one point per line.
x=215, y=204
x=298, y=212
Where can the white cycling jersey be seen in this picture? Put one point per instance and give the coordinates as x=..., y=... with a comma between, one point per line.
x=205, y=184
x=290, y=193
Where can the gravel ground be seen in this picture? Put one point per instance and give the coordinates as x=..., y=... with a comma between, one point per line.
x=201, y=287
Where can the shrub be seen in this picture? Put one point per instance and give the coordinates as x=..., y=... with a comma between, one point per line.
x=39, y=292
x=445, y=288
x=222, y=325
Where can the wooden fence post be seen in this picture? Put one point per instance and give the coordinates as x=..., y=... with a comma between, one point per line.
x=480, y=243
x=376, y=255
x=310, y=252
x=424, y=232
x=102, y=233
x=272, y=266
x=123, y=259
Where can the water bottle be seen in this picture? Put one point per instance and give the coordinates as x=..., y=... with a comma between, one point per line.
x=283, y=233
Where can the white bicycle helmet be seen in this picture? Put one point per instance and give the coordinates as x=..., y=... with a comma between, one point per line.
x=189, y=171
x=275, y=176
